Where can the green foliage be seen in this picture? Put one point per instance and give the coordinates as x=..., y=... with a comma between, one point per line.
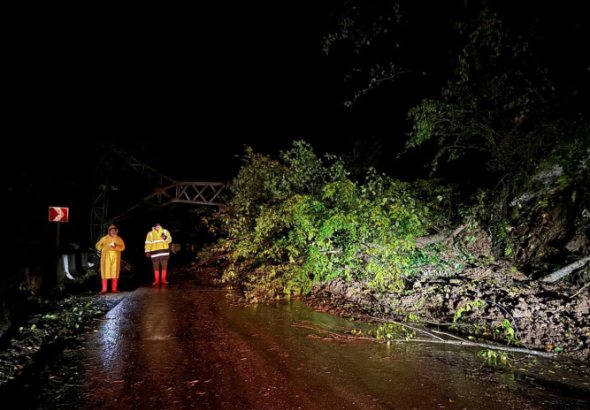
x=367, y=28
x=500, y=105
x=365, y=154
x=294, y=221
x=500, y=231
x=503, y=111
x=507, y=332
x=493, y=356
x=467, y=308
x=430, y=261
x=389, y=331
x=381, y=43
x=570, y=155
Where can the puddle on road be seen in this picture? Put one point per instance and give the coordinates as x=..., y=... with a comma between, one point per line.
x=419, y=372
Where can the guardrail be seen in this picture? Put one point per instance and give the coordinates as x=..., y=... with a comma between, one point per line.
x=72, y=266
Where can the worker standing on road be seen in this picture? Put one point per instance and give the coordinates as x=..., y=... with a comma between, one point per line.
x=110, y=247
x=157, y=247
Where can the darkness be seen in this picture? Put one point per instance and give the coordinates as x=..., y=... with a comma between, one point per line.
x=197, y=84
x=193, y=86
x=206, y=81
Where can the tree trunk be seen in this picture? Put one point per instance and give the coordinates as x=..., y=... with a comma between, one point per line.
x=439, y=237
x=565, y=271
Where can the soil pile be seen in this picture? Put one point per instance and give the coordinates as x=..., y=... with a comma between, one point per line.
x=481, y=302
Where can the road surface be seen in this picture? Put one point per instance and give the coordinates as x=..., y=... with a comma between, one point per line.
x=192, y=345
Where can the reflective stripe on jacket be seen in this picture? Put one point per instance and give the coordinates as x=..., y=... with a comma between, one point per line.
x=154, y=241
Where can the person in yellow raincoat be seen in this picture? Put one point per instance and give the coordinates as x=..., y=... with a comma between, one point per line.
x=110, y=247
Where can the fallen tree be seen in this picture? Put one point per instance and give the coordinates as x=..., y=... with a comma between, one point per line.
x=563, y=272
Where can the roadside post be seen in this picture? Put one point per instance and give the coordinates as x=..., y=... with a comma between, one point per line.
x=58, y=214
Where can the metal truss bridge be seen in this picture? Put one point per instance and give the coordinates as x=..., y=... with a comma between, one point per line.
x=166, y=191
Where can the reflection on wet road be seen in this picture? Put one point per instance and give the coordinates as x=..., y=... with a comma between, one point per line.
x=191, y=346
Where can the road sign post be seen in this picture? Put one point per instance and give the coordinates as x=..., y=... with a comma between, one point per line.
x=58, y=214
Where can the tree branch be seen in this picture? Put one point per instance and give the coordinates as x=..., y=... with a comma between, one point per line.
x=565, y=271
x=439, y=237
x=451, y=342
x=404, y=325
x=431, y=239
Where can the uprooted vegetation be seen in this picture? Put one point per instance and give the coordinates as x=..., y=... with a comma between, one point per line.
x=296, y=227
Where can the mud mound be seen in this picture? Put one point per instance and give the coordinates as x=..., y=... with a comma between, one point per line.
x=504, y=307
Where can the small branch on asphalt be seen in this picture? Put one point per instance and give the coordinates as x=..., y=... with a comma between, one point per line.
x=507, y=349
x=304, y=327
x=441, y=341
x=341, y=337
x=449, y=335
x=335, y=335
x=331, y=334
x=402, y=324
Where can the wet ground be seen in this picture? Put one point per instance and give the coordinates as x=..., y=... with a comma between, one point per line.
x=191, y=345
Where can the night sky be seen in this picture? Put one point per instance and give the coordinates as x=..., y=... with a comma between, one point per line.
x=194, y=85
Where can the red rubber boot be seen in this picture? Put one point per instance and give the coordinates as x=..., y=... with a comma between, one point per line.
x=104, y=286
x=164, y=277
x=157, y=276
x=114, y=285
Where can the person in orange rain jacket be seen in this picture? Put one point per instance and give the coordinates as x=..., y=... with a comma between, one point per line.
x=157, y=247
x=110, y=247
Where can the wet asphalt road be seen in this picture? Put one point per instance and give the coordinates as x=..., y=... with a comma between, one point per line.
x=190, y=345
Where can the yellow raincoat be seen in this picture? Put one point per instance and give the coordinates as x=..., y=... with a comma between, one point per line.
x=110, y=257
